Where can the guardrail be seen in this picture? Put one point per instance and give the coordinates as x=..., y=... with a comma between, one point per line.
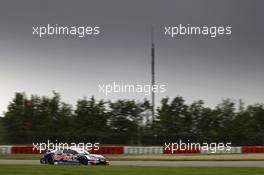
x=143, y=150
x=135, y=150
x=232, y=150
x=108, y=150
x=181, y=150
x=5, y=149
x=252, y=149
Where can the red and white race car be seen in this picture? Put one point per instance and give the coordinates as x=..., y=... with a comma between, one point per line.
x=72, y=156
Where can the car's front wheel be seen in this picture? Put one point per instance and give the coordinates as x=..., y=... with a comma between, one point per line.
x=83, y=161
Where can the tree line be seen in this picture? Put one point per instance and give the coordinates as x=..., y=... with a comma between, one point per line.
x=38, y=119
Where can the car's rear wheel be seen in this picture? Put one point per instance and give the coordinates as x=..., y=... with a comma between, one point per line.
x=50, y=160
x=42, y=161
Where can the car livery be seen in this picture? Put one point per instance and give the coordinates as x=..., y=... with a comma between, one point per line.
x=72, y=157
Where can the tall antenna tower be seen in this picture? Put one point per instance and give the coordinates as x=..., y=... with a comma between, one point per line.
x=152, y=73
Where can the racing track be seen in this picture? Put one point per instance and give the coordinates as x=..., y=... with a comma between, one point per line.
x=162, y=163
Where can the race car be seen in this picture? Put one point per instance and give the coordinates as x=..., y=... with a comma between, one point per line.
x=72, y=157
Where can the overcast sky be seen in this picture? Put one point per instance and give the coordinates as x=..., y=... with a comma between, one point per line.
x=193, y=67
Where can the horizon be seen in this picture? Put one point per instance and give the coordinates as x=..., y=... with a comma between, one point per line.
x=194, y=67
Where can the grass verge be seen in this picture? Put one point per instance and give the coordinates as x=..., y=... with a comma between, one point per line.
x=118, y=170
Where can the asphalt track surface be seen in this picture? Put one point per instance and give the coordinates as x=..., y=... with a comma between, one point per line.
x=161, y=163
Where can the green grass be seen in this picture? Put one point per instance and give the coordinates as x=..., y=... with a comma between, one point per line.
x=118, y=170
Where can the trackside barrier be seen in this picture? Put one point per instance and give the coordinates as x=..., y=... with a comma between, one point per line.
x=101, y=150
x=252, y=149
x=182, y=150
x=24, y=150
x=140, y=150
x=143, y=150
x=5, y=149
x=225, y=150
x=108, y=150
